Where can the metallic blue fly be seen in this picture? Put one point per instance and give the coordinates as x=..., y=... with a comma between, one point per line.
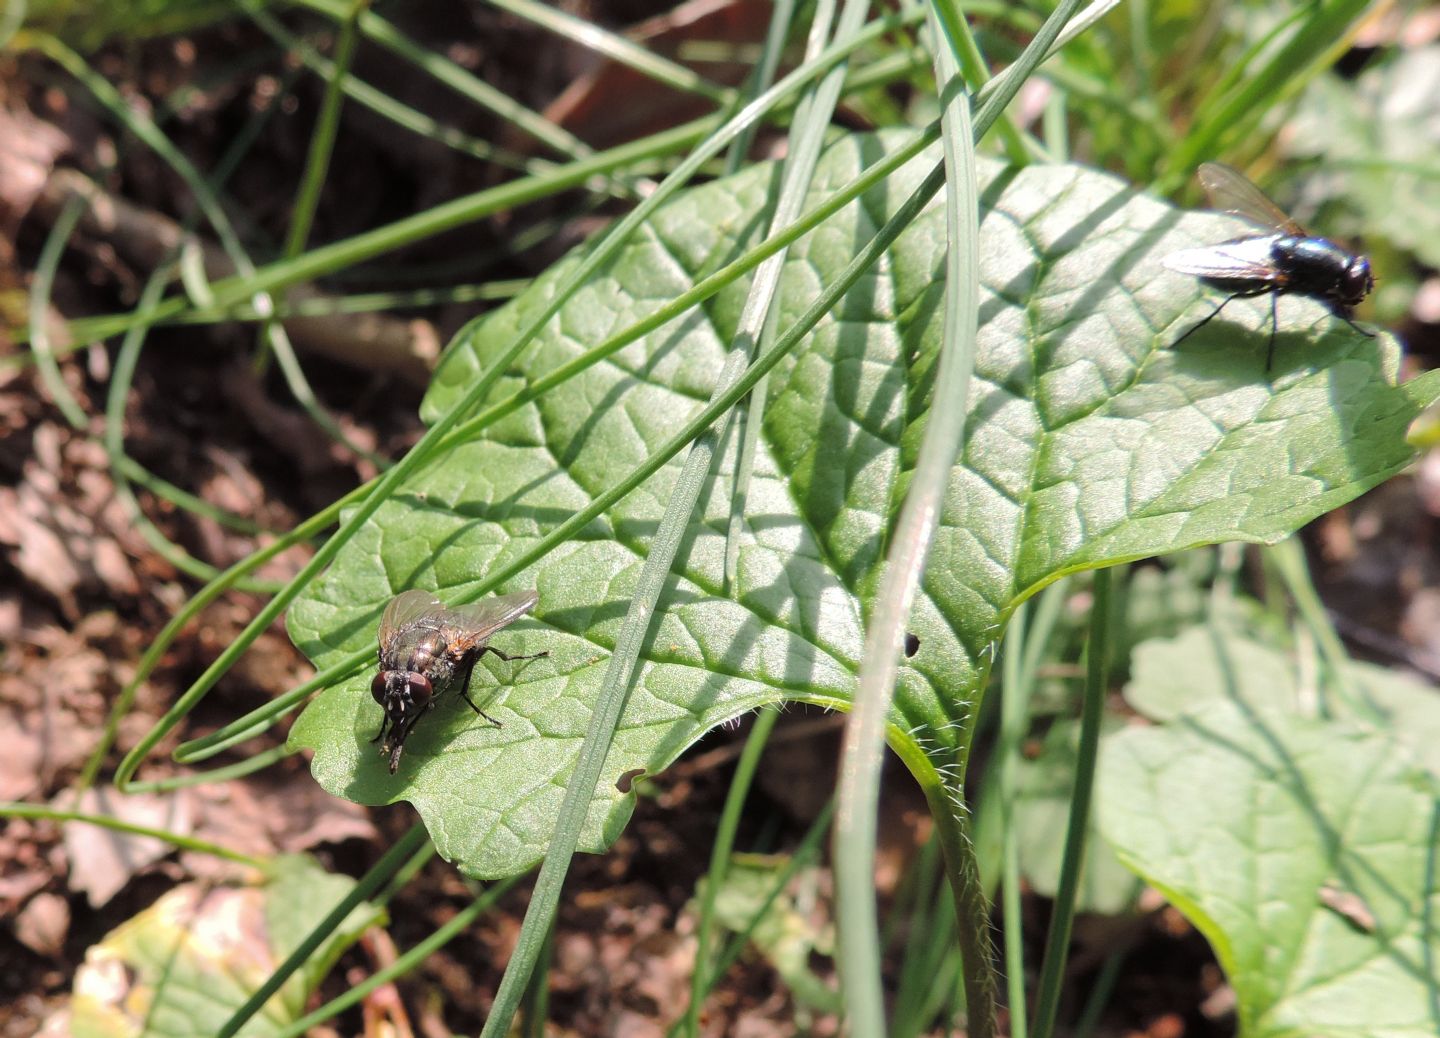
x=1284, y=260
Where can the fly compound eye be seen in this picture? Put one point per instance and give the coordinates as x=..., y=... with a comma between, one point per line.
x=419, y=690
x=1359, y=280
x=377, y=688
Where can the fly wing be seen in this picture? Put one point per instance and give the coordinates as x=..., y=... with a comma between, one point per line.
x=403, y=610
x=1230, y=191
x=475, y=624
x=1246, y=259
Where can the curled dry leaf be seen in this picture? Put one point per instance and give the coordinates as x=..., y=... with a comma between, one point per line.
x=103, y=860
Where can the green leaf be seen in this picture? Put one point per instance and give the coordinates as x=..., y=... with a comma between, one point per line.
x=1302, y=849
x=1163, y=599
x=1378, y=141
x=298, y=896
x=1212, y=664
x=184, y=965
x=788, y=937
x=1090, y=443
x=88, y=25
x=1042, y=810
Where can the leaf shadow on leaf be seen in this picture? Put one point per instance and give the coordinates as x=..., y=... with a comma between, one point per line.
x=1351, y=871
x=344, y=630
x=1078, y=310
x=509, y=509
x=923, y=363
x=859, y=425
x=614, y=396
x=1101, y=288
x=1341, y=362
x=796, y=613
x=579, y=620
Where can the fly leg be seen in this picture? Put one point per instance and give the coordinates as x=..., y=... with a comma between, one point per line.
x=1274, y=326
x=1212, y=315
x=470, y=670
x=507, y=659
x=465, y=695
x=399, y=733
x=1344, y=315
x=1249, y=292
x=465, y=689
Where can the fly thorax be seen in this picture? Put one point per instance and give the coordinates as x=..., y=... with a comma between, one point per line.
x=1314, y=261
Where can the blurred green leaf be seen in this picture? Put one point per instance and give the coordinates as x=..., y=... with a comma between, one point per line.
x=1378, y=142
x=1165, y=599
x=184, y=965
x=785, y=935
x=1302, y=849
x=1212, y=664
x=1041, y=812
x=86, y=24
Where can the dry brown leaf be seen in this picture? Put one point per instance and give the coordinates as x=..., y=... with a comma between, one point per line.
x=270, y=814
x=40, y=554
x=43, y=923
x=635, y=1025
x=612, y=102
x=27, y=869
x=103, y=860
x=49, y=703
x=29, y=149
x=67, y=527
x=20, y=764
